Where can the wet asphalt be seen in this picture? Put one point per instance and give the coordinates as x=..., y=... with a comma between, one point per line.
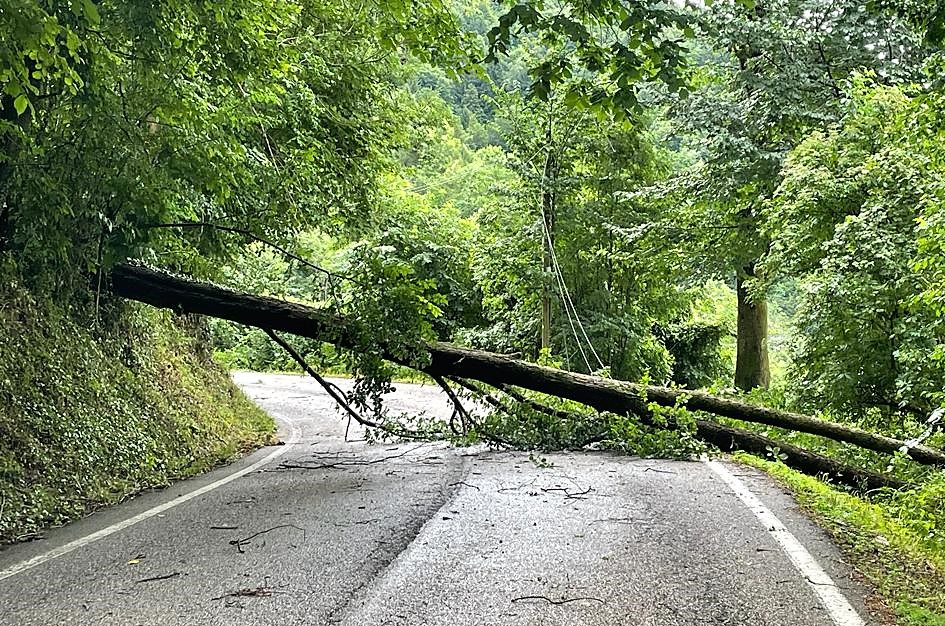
x=337, y=531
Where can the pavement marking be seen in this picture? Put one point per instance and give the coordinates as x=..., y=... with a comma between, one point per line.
x=64, y=549
x=838, y=607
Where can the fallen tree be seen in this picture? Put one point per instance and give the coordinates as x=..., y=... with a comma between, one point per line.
x=446, y=360
x=730, y=439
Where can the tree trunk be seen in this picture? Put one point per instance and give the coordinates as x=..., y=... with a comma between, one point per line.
x=445, y=360
x=728, y=439
x=751, y=360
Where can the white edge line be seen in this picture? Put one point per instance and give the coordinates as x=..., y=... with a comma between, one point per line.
x=64, y=549
x=836, y=604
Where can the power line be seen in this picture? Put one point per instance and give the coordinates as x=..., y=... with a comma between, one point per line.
x=567, y=301
x=562, y=288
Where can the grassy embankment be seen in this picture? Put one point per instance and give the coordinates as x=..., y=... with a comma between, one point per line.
x=91, y=414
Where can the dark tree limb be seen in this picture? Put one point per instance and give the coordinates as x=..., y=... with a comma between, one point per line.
x=729, y=439
x=492, y=401
x=336, y=394
x=163, y=290
x=458, y=408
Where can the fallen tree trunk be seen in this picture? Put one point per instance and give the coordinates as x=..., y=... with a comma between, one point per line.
x=166, y=291
x=729, y=439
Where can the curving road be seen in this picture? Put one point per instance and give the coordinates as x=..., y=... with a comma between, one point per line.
x=323, y=531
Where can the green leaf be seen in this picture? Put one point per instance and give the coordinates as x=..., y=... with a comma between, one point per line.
x=21, y=104
x=91, y=12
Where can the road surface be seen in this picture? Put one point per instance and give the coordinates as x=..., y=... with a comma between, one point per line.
x=323, y=531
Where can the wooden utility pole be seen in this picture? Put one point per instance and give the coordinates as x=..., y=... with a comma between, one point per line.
x=548, y=236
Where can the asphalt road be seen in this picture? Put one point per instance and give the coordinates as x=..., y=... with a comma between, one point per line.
x=323, y=531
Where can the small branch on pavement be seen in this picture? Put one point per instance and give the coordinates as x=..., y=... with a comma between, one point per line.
x=157, y=578
x=239, y=543
x=249, y=592
x=466, y=484
x=556, y=602
x=569, y=494
x=348, y=463
x=613, y=520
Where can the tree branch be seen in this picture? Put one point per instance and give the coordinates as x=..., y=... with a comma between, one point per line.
x=332, y=389
x=256, y=238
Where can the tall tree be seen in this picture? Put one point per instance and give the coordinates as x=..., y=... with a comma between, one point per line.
x=773, y=72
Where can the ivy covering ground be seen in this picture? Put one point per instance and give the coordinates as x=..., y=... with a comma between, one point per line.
x=90, y=416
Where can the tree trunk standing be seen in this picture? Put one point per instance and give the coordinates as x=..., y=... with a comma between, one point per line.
x=751, y=359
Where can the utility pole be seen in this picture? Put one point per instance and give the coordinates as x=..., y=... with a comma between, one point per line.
x=548, y=235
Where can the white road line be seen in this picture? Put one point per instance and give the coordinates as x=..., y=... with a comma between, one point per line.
x=838, y=607
x=62, y=550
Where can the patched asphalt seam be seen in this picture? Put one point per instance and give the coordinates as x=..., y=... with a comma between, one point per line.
x=388, y=553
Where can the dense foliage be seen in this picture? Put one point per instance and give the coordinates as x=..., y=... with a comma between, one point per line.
x=122, y=118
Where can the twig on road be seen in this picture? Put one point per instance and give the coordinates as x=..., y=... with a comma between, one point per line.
x=466, y=484
x=613, y=520
x=249, y=592
x=557, y=602
x=239, y=543
x=568, y=494
x=157, y=578
x=347, y=463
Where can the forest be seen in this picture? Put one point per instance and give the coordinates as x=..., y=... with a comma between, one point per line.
x=729, y=212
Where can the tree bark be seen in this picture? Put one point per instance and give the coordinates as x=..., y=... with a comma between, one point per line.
x=751, y=361
x=445, y=360
x=729, y=439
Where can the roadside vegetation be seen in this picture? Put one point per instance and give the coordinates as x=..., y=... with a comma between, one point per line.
x=891, y=538
x=743, y=197
x=95, y=411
